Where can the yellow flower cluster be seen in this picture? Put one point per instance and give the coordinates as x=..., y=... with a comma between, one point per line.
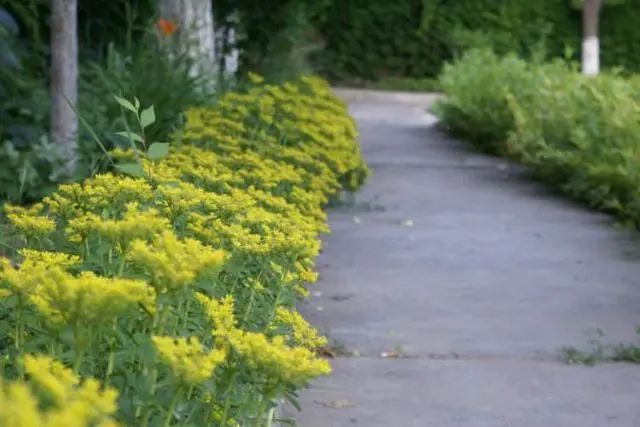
x=294, y=365
x=64, y=298
x=29, y=221
x=34, y=265
x=273, y=356
x=172, y=263
x=235, y=209
x=104, y=191
x=303, y=333
x=54, y=397
x=134, y=224
x=189, y=362
x=88, y=298
x=220, y=314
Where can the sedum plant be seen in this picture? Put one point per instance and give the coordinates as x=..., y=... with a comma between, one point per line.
x=172, y=291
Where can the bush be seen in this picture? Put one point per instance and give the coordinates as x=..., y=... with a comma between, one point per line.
x=578, y=132
x=176, y=291
x=155, y=76
x=374, y=39
x=135, y=61
x=478, y=89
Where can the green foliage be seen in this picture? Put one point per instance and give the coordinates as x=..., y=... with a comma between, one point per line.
x=578, y=132
x=478, y=88
x=274, y=41
x=28, y=163
x=151, y=70
x=174, y=293
x=373, y=39
x=27, y=173
x=139, y=142
x=30, y=167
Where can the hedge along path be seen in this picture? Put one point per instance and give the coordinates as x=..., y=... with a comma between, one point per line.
x=170, y=299
x=451, y=283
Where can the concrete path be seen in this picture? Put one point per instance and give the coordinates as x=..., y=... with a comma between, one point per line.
x=476, y=276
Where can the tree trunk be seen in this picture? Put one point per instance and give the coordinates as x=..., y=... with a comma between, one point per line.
x=64, y=76
x=590, y=42
x=195, y=29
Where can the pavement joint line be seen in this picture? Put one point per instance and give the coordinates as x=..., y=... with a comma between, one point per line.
x=433, y=166
x=461, y=358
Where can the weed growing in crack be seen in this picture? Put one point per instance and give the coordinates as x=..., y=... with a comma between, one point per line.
x=601, y=353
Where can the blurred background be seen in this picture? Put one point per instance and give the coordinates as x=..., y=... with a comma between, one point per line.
x=122, y=48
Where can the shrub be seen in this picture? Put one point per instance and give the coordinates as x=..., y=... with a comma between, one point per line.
x=578, y=132
x=156, y=77
x=374, y=39
x=178, y=289
x=478, y=89
x=136, y=60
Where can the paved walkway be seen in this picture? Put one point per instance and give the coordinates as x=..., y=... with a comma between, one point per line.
x=476, y=276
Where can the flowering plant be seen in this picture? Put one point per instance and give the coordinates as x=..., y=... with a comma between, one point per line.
x=176, y=286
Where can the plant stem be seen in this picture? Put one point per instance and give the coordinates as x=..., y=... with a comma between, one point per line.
x=121, y=266
x=172, y=407
x=112, y=355
x=145, y=417
x=19, y=333
x=270, y=415
x=249, y=305
x=79, y=346
x=185, y=318
x=77, y=361
x=227, y=400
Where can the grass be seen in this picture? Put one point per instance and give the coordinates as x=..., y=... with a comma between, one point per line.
x=601, y=353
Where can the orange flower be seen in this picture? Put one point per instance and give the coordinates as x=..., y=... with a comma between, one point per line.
x=166, y=27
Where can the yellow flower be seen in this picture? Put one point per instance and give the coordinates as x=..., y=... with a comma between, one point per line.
x=88, y=406
x=293, y=365
x=68, y=403
x=29, y=221
x=173, y=263
x=289, y=364
x=115, y=191
x=303, y=333
x=106, y=191
x=308, y=276
x=87, y=298
x=34, y=265
x=135, y=224
x=187, y=359
x=220, y=313
x=19, y=406
x=51, y=376
x=39, y=259
x=213, y=231
x=248, y=183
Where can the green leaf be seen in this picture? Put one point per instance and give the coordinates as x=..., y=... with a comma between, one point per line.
x=130, y=135
x=133, y=169
x=158, y=150
x=147, y=117
x=136, y=102
x=125, y=104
